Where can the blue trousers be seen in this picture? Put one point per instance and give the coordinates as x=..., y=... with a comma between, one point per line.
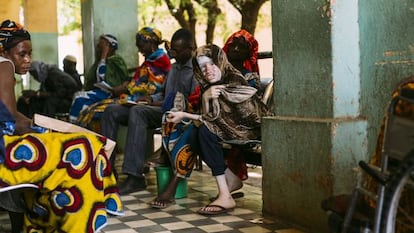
x=141, y=121
x=208, y=145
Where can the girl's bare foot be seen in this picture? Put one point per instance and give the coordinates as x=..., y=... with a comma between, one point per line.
x=234, y=182
x=222, y=204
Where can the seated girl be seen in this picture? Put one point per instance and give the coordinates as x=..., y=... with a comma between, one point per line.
x=230, y=110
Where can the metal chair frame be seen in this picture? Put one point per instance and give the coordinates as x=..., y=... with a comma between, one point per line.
x=398, y=141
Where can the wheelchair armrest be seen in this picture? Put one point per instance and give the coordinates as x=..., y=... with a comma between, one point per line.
x=374, y=173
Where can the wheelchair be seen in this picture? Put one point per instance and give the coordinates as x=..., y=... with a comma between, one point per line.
x=393, y=176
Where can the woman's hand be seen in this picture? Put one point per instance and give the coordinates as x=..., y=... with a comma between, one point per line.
x=121, y=89
x=105, y=50
x=145, y=99
x=213, y=92
x=175, y=117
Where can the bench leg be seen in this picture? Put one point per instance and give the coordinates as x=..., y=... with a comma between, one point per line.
x=198, y=163
x=16, y=220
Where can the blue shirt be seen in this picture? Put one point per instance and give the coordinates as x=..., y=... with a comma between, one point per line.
x=179, y=78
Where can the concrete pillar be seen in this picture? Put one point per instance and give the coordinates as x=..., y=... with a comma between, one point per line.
x=9, y=10
x=40, y=18
x=110, y=16
x=333, y=76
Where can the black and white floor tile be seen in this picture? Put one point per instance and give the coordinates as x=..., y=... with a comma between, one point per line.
x=182, y=216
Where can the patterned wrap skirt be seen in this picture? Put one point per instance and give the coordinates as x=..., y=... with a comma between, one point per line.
x=64, y=180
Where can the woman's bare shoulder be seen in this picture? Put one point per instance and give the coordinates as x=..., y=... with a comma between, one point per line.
x=6, y=71
x=4, y=62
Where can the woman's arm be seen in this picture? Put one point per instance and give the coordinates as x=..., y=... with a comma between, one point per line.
x=7, y=96
x=177, y=117
x=211, y=93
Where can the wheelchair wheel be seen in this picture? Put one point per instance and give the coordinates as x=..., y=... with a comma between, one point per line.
x=393, y=212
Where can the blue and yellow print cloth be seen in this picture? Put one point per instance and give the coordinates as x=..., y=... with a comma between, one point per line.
x=76, y=186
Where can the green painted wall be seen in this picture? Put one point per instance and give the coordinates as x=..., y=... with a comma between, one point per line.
x=302, y=47
x=335, y=65
x=110, y=16
x=45, y=49
x=387, y=52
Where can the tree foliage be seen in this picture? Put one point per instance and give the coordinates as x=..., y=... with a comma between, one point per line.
x=249, y=10
x=189, y=14
x=213, y=11
x=186, y=15
x=183, y=11
x=69, y=15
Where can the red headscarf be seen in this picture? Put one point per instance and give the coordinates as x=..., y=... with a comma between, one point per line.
x=250, y=64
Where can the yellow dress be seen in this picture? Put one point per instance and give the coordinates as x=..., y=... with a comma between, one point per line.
x=75, y=186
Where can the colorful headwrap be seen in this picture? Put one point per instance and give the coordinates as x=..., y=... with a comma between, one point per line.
x=250, y=64
x=147, y=33
x=111, y=39
x=11, y=33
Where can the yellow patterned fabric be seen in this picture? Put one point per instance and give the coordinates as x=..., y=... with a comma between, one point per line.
x=76, y=186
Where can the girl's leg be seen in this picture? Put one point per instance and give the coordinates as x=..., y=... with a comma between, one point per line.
x=214, y=158
x=211, y=151
x=233, y=181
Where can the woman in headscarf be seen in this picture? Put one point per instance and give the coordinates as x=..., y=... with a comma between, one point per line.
x=231, y=110
x=241, y=49
x=51, y=182
x=242, y=52
x=148, y=79
x=15, y=57
x=14, y=40
x=108, y=72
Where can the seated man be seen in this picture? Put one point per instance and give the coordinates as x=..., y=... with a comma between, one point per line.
x=69, y=67
x=141, y=119
x=55, y=94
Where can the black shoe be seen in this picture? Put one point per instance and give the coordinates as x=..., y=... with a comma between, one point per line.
x=115, y=172
x=132, y=184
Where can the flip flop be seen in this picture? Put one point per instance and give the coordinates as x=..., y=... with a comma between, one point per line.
x=221, y=210
x=235, y=196
x=162, y=204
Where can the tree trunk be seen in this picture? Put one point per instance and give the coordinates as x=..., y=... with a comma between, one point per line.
x=249, y=19
x=178, y=14
x=249, y=10
x=213, y=13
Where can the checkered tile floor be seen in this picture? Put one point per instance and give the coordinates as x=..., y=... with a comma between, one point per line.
x=182, y=216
